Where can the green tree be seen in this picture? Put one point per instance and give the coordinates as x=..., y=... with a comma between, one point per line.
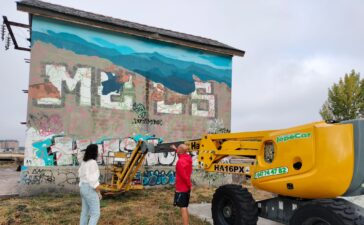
x=345, y=99
x=362, y=95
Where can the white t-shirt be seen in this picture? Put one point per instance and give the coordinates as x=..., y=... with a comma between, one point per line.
x=89, y=173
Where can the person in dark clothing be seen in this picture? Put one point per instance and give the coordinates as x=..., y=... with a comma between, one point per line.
x=183, y=181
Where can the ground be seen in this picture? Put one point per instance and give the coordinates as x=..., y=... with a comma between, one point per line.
x=150, y=206
x=9, y=178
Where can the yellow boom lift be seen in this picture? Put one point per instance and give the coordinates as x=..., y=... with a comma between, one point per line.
x=309, y=168
x=119, y=176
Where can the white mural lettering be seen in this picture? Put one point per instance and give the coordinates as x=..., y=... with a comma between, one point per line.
x=58, y=73
x=124, y=101
x=208, y=97
x=63, y=148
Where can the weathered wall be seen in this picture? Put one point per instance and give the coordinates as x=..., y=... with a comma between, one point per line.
x=89, y=85
x=41, y=180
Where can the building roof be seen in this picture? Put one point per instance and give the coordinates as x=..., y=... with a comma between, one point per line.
x=9, y=140
x=35, y=7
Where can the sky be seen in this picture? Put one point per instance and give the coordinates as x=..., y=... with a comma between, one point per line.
x=295, y=51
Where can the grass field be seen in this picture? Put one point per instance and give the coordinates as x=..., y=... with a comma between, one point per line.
x=142, y=207
x=8, y=164
x=150, y=206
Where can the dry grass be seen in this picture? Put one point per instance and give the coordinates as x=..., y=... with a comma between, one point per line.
x=8, y=164
x=151, y=206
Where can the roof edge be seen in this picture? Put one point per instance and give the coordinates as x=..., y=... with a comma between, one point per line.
x=46, y=12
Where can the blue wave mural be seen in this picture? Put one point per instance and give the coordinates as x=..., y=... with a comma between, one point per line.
x=172, y=72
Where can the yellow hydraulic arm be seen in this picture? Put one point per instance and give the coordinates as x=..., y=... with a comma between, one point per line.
x=122, y=174
x=295, y=162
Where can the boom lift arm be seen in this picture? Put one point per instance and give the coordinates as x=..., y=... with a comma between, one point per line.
x=307, y=167
x=123, y=173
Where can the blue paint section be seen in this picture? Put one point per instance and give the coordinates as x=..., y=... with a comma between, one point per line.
x=101, y=140
x=111, y=85
x=127, y=44
x=168, y=64
x=138, y=137
x=157, y=177
x=42, y=151
x=24, y=168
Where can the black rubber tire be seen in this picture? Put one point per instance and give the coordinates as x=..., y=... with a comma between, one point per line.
x=234, y=205
x=328, y=212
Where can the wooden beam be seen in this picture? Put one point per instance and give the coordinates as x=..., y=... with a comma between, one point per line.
x=18, y=24
x=8, y=26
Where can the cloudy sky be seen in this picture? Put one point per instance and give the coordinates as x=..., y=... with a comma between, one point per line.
x=295, y=50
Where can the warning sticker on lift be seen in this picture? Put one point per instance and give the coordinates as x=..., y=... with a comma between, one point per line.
x=271, y=172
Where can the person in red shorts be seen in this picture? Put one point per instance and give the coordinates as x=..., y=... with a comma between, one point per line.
x=183, y=181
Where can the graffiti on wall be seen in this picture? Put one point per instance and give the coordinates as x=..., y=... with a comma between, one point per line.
x=115, y=93
x=112, y=93
x=66, y=151
x=142, y=115
x=46, y=124
x=172, y=66
x=38, y=176
x=65, y=177
x=163, y=159
x=157, y=177
x=203, y=178
x=49, y=176
x=87, y=83
x=216, y=126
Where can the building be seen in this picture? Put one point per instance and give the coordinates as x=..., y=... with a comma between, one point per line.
x=9, y=145
x=99, y=79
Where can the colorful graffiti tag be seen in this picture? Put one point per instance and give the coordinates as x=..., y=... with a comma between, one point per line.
x=87, y=84
x=157, y=177
x=66, y=151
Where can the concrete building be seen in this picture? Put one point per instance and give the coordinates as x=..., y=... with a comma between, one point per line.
x=97, y=79
x=9, y=145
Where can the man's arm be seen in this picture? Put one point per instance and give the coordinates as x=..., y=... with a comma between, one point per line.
x=173, y=147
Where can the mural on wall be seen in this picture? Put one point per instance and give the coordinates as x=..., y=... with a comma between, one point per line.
x=66, y=151
x=67, y=177
x=91, y=85
x=157, y=177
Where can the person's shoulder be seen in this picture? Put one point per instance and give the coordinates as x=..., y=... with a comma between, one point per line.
x=91, y=162
x=187, y=157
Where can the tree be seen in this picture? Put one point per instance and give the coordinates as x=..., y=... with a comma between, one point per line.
x=345, y=99
x=362, y=95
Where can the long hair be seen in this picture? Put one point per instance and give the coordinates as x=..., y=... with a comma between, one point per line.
x=91, y=152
